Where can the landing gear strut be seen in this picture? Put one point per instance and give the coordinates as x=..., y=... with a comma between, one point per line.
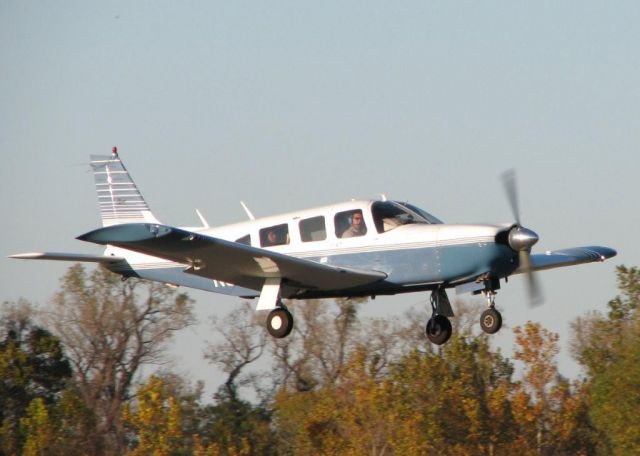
x=491, y=319
x=438, y=328
x=280, y=322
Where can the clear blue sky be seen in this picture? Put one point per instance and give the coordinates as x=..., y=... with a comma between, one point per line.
x=291, y=104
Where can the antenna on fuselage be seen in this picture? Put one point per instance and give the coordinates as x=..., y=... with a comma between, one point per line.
x=202, y=219
x=246, y=209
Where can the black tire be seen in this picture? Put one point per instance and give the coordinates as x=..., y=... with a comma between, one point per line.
x=279, y=323
x=491, y=321
x=438, y=329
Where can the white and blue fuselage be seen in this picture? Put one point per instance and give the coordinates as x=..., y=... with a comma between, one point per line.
x=354, y=248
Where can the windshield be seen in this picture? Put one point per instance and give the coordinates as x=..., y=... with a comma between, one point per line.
x=424, y=214
x=388, y=215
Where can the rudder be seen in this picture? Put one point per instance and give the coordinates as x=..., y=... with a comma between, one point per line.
x=119, y=199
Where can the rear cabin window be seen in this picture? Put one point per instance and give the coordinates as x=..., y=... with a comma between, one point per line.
x=274, y=235
x=246, y=240
x=313, y=229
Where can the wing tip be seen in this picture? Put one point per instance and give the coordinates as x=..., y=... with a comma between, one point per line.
x=81, y=257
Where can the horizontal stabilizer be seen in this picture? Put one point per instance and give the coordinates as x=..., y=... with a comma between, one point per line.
x=568, y=257
x=67, y=257
x=227, y=261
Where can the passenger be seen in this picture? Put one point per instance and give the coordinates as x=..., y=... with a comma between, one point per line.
x=357, y=227
x=272, y=238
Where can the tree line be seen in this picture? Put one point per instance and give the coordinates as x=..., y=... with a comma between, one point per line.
x=70, y=380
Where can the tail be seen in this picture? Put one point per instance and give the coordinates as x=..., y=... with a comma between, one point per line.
x=119, y=199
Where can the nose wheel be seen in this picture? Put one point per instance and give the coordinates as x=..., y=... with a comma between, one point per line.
x=491, y=319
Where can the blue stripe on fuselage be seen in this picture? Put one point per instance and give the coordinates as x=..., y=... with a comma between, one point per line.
x=442, y=264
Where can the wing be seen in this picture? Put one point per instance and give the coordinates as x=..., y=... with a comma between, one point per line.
x=227, y=261
x=67, y=257
x=568, y=257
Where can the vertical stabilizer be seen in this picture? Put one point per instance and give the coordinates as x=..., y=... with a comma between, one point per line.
x=119, y=199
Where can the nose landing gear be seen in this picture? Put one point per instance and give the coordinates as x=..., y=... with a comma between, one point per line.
x=491, y=319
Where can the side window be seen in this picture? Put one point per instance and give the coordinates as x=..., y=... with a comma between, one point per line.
x=274, y=235
x=246, y=240
x=313, y=229
x=350, y=224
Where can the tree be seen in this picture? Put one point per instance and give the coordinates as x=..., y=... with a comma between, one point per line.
x=608, y=346
x=453, y=401
x=110, y=329
x=243, y=342
x=33, y=367
x=316, y=352
x=551, y=413
x=615, y=399
x=154, y=421
x=38, y=429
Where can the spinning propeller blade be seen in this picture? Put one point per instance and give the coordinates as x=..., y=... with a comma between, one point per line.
x=534, y=291
x=511, y=189
x=522, y=239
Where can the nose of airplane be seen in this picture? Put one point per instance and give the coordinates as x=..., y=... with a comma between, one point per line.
x=521, y=238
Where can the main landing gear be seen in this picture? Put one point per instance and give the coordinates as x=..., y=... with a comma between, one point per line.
x=280, y=321
x=438, y=328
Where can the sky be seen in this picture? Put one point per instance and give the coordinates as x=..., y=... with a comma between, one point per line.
x=290, y=104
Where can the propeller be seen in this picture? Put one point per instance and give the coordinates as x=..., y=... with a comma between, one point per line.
x=521, y=239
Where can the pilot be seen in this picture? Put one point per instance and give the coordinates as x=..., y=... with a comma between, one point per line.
x=357, y=227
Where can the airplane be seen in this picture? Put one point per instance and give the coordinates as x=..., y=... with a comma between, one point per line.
x=357, y=248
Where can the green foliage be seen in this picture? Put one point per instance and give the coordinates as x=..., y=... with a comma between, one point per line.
x=33, y=372
x=615, y=400
x=623, y=307
x=609, y=348
x=236, y=424
x=37, y=429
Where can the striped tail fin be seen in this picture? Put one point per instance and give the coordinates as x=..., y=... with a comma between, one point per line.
x=119, y=199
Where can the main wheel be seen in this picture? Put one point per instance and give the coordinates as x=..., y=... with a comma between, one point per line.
x=491, y=321
x=279, y=323
x=438, y=329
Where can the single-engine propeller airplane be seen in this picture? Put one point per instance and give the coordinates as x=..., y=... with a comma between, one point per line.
x=349, y=249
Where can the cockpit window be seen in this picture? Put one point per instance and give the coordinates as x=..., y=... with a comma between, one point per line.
x=350, y=224
x=424, y=214
x=388, y=215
